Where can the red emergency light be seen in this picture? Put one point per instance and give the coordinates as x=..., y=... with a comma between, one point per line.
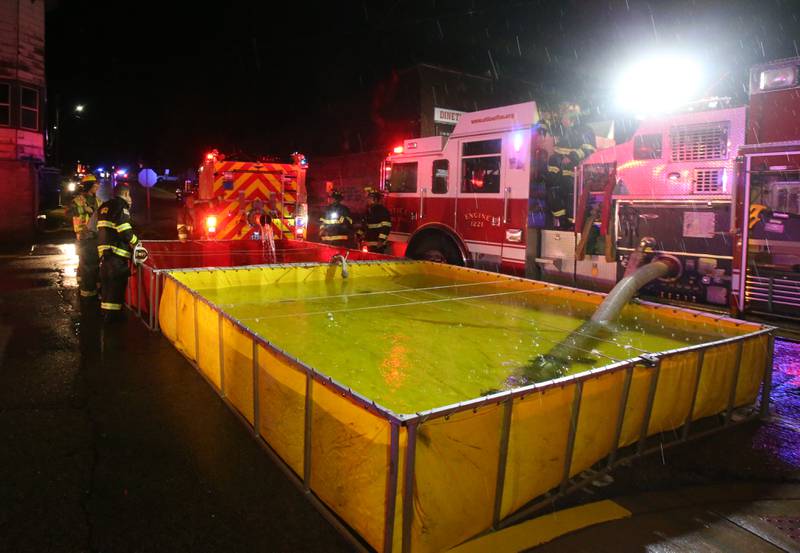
x=398, y=149
x=210, y=156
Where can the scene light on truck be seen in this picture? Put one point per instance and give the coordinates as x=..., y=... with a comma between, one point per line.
x=657, y=85
x=211, y=223
x=398, y=149
x=772, y=79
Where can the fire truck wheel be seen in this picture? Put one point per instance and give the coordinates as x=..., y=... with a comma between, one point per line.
x=436, y=248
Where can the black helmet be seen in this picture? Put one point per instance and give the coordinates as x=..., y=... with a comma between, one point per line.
x=121, y=187
x=336, y=195
x=373, y=193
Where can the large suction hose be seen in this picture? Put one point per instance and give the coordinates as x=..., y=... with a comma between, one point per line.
x=554, y=363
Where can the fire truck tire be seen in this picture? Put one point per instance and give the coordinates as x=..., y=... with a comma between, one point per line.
x=436, y=248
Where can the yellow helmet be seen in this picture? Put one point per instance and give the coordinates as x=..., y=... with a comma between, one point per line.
x=88, y=178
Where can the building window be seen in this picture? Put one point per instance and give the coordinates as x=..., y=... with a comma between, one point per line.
x=441, y=168
x=647, y=146
x=403, y=178
x=29, y=109
x=481, y=167
x=5, y=104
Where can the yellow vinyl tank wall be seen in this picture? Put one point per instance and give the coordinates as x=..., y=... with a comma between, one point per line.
x=426, y=482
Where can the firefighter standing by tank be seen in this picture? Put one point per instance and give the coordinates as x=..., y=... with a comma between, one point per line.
x=377, y=223
x=116, y=241
x=336, y=224
x=574, y=143
x=83, y=208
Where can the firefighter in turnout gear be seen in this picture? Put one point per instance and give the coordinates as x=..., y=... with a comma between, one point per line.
x=336, y=224
x=116, y=241
x=377, y=222
x=574, y=143
x=84, y=219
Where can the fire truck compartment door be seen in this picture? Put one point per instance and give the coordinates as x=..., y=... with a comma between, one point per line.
x=482, y=196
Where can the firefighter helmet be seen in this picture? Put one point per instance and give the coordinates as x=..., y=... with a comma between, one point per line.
x=87, y=181
x=373, y=193
x=336, y=195
x=121, y=187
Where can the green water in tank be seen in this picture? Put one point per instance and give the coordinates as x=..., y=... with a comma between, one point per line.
x=415, y=342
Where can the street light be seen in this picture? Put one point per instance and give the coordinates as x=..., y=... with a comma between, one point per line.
x=79, y=108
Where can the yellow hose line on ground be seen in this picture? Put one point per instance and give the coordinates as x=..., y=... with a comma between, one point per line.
x=545, y=528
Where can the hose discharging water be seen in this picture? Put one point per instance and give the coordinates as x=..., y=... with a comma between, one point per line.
x=640, y=272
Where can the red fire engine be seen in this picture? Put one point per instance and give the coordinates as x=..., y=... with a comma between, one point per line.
x=767, y=248
x=719, y=190
x=242, y=200
x=464, y=199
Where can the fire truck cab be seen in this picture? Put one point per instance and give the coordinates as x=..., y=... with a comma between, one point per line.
x=238, y=200
x=465, y=199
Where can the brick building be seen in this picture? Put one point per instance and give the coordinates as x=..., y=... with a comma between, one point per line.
x=22, y=100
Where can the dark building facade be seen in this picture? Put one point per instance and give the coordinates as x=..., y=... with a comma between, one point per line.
x=22, y=100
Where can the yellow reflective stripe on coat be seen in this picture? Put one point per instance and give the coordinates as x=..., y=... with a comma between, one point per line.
x=110, y=306
x=379, y=225
x=553, y=169
x=106, y=224
x=118, y=251
x=336, y=237
x=124, y=226
x=588, y=147
x=567, y=173
x=134, y=240
x=560, y=213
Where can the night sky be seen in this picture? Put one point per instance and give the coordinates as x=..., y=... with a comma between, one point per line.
x=164, y=81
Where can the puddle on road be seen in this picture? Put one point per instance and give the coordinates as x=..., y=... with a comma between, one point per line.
x=782, y=434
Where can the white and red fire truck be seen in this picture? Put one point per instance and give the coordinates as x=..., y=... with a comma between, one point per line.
x=236, y=200
x=717, y=187
x=464, y=199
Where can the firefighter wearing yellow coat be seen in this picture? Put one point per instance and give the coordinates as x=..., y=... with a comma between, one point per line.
x=116, y=241
x=83, y=208
x=336, y=224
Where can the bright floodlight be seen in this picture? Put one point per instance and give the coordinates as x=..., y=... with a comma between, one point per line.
x=79, y=108
x=658, y=85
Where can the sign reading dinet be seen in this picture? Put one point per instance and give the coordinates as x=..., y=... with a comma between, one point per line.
x=447, y=116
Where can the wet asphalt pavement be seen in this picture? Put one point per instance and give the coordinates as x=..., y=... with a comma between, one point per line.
x=112, y=442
